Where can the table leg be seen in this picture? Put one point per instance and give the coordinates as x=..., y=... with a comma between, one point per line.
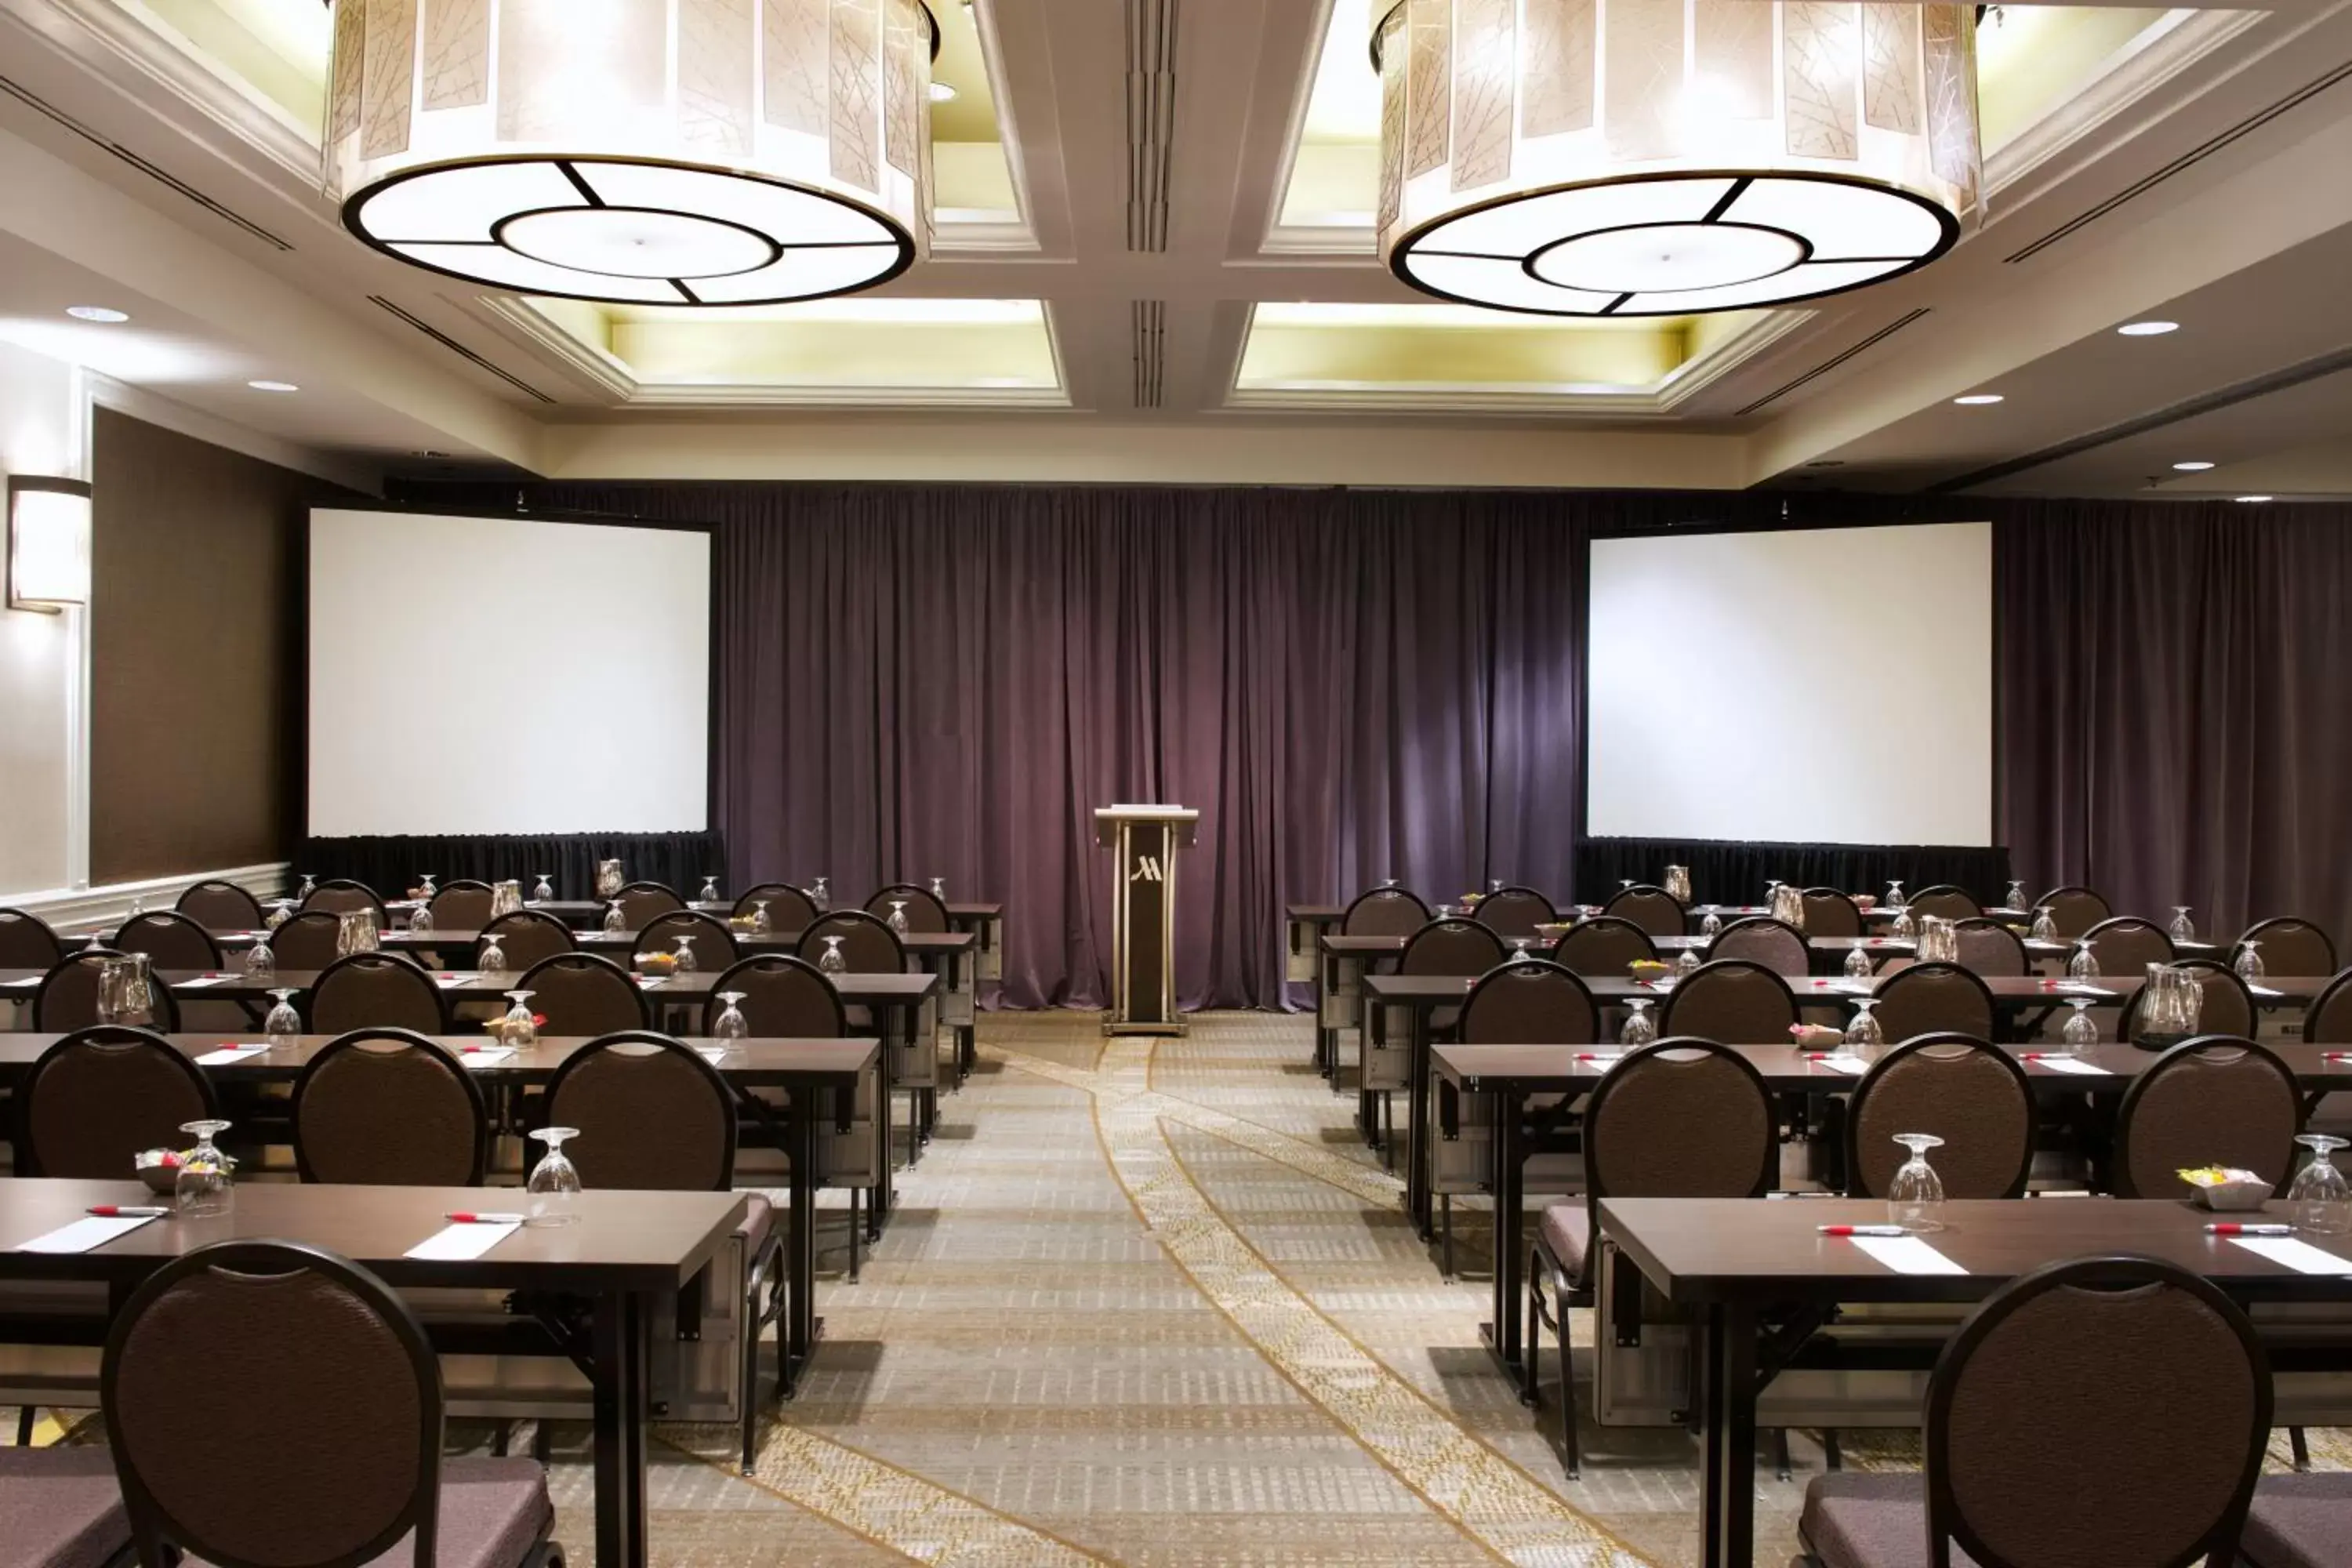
x=885, y=1114
x=798, y=1342
x=1728, y=1371
x=1326, y=1047
x=1416, y=1075
x=1509, y=1184
x=620, y=1406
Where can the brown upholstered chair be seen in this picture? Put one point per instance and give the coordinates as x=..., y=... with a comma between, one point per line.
x=2290, y=946
x=526, y=936
x=584, y=994
x=2073, y=910
x=789, y=907
x=62, y=1507
x=305, y=943
x=1733, y=1001
x=714, y=945
x=643, y=902
x=1450, y=945
x=1512, y=912
x=2330, y=1022
x=282, y=1346
x=1678, y=1119
x=1760, y=939
x=1653, y=909
x=867, y=946
x=1944, y=901
x=2227, y=1007
x=653, y=1116
x=170, y=939
x=926, y=911
x=2126, y=945
x=389, y=1107
x=2106, y=1360
x=1988, y=947
x=219, y=906
x=2213, y=1100
x=1962, y=1088
x=784, y=998
x=341, y=895
x=28, y=942
x=1829, y=913
x=462, y=905
x=67, y=997
x=1603, y=945
x=99, y=1096
x=1384, y=912
x=376, y=991
x=1935, y=999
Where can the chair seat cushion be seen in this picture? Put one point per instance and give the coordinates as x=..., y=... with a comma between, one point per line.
x=1567, y=1232
x=60, y=1508
x=492, y=1510
x=2301, y=1522
x=1856, y=1520
x=758, y=1221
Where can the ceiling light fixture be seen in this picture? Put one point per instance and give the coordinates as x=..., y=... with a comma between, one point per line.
x=1978, y=399
x=944, y=93
x=635, y=150
x=2194, y=466
x=1670, y=157
x=49, y=543
x=273, y=386
x=2147, y=329
x=2257, y=498
x=97, y=313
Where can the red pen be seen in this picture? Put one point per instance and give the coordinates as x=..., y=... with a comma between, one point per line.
x=1859, y=1229
x=2335, y=1056
x=1598, y=1056
x=2234, y=1229
x=470, y=1218
x=126, y=1211
x=2035, y=1055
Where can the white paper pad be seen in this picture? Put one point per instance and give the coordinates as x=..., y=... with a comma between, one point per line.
x=647, y=982
x=455, y=1243
x=2299, y=1256
x=1908, y=1255
x=201, y=981
x=2265, y=990
x=1843, y=1062
x=229, y=1056
x=485, y=1056
x=2080, y=988
x=85, y=1235
x=1850, y=987
x=449, y=982
x=711, y=1053
x=2069, y=1064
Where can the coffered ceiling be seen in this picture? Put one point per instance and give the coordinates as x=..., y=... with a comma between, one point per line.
x=1154, y=261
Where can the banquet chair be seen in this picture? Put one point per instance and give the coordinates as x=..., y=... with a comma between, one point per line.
x=1384, y=912
x=714, y=945
x=1447, y=946
x=1944, y=901
x=389, y=1107
x=2329, y=1021
x=462, y=905
x=219, y=906
x=868, y=946
x=789, y=908
x=653, y=1116
x=2106, y=1360
x=2073, y=910
x=1527, y=1002
x=926, y=911
x=1677, y=1119
x=27, y=941
x=61, y=1507
x=2290, y=946
x=2227, y=1007
x=2217, y=1099
x=101, y=1094
x=642, y=902
x=1957, y=1087
x=341, y=895
x=2298, y=1521
x=1731, y=1000
x=67, y=997
x=170, y=939
x=1512, y=912
x=1829, y=913
x=1760, y=939
x=526, y=936
x=375, y=990
x=1986, y=947
x=1935, y=998
x=1379, y=911
x=305, y=943
x=312, y=1338
x=1654, y=910
x=2126, y=945
x=1603, y=945
x=584, y=994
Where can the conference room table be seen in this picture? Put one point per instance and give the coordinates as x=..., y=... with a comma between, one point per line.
x=1420, y=996
x=802, y=1069
x=627, y=1250
x=984, y=919
x=1514, y=1075
x=1737, y=1264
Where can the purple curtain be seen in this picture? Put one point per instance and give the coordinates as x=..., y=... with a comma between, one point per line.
x=2172, y=720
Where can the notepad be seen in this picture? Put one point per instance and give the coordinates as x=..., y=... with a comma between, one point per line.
x=2265, y=990
x=1841, y=1061
x=647, y=982
x=2069, y=1064
x=711, y=1054
x=1908, y=1255
x=457, y=1243
x=449, y=982
x=1852, y=987
x=230, y=1055
x=2080, y=988
x=86, y=1234
x=485, y=1056
x=2299, y=1256
x=201, y=981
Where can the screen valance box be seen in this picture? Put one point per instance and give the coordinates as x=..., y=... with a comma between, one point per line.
x=1732, y=872
x=391, y=864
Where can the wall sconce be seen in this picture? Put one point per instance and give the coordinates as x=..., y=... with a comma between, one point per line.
x=49, y=543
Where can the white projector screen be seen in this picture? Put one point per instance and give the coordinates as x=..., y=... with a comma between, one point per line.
x=1813, y=686
x=505, y=675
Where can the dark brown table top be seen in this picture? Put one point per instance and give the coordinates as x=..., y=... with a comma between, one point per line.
x=921, y=943
x=569, y=908
x=885, y=989
x=2009, y=990
x=814, y=1063
x=1764, y=1249
x=632, y=1241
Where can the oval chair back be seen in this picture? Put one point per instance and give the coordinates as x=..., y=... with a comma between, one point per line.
x=1936, y=999
x=653, y=1116
x=784, y=998
x=170, y=939
x=867, y=946
x=387, y=1107
x=1451, y=945
x=1654, y=910
x=305, y=943
x=1529, y=1001
x=714, y=945
x=1961, y=1087
x=2213, y=1100
x=1603, y=946
x=1945, y=901
x=2290, y=946
x=584, y=994
x=1516, y=912
x=2330, y=1022
x=926, y=911
x=1732, y=1001
x=1384, y=912
x=341, y=895
x=462, y=905
x=67, y=997
x=1829, y=913
x=28, y=942
x=789, y=908
x=2072, y=909
x=1988, y=947
x=1760, y=939
x=2126, y=945
x=376, y=991
x=219, y=906
x=641, y=903
x=98, y=1097
x=1679, y=1118
x=527, y=936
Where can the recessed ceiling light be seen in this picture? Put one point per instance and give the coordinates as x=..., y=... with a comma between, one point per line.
x=2147, y=329
x=2257, y=498
x=2194, y=466
x=273, y=386
x=96, y=313
x=943, y=91
x=1977, y=399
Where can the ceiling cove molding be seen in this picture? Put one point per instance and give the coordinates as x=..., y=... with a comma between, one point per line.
x=1835, y=360
x=410, y=318
x=604, y=372
x=1150, y=120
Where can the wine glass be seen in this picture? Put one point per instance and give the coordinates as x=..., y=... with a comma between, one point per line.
x=518, y=1027
x=686, y=964
x=2045, y=925
x=940, y=888
x=2182, y=928
x=730, y=1024
x=615, y=923
x=138, y=906
x=420, y=919
x=309, y=886
x=820, y=895
x=2085, y=964
x=898, y=916
x=1905, y=928
x=544, y=890
x=1857, y=962
x=426, y=895
x=1712, y=926
x=494, y=957
x=1896, y=898
x=280, y=914
x=760, y=924
x=1519, y=945
x=831, y=960
x=609, y=878
x=2017, y=895
x=2249, y=962
x=284, y=1024
x=2320, y=1198
x=2082, y=1030
x=1686, y=963
x=203, y=1185
x=554, y=1181
x=1639, y=1030
x=1866, y=1032
x=710, y=889
x=1915, y=1198
x=260, y=962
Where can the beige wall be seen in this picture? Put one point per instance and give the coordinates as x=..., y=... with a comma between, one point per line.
x=41, y=657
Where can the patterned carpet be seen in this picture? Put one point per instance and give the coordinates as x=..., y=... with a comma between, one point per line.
x=1153, y=1303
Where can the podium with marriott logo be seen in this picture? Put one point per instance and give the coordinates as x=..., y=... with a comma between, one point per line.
x=1143, y=841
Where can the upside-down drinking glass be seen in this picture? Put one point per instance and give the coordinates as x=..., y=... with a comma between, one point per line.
x=1857, y=962
x=2085, y=964
x=284, y=1024
x=1905, y=928
x=203, y=1185
x=1639, y=1030
x=2045, y=925
x=2082, y=1030
x=1915, y=1199
x=820, y=895
x=710, y=889
x=428, y=889
x=686, y=964
x=2017, y=895
x=730, y=1024
x=1895, y=899
x=420, y=919
x=518, y=1027
x=260, y=962
x=940, y=888
x=615, y=923
x=2183, y=929
x=831, y=960
x=2320, y=1198
x=282, y=912
x=309, y=886
x=554, y=1181
x=1686, y=963
x=1712, y=925
x=544, y=889
x=1864, y=1032
x=760, y=924
x=2249, y=962
x=493, y=960
x=898, y=916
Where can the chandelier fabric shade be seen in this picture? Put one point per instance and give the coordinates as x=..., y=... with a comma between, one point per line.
x=655, y=152
x=1671, y=157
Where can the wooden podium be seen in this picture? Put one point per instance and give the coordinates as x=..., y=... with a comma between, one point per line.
x=1144, y=840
